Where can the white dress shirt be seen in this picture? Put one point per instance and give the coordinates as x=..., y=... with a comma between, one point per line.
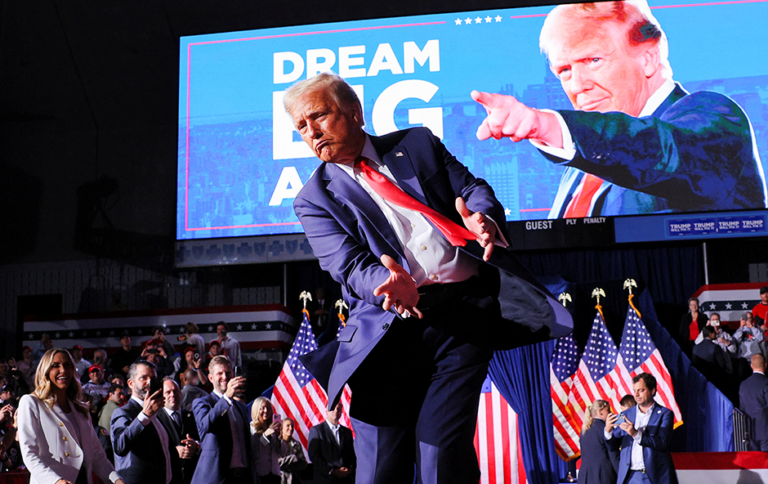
x=431, y=258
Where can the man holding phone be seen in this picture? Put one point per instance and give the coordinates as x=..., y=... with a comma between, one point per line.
x=644, y=433
x=222, y=421
x=143, y=451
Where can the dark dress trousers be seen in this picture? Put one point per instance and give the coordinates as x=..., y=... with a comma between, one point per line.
x=599, y=462
x=416, y=382
x=753, y=401
x=139, y=455
x=326, y=454
x=696, y=152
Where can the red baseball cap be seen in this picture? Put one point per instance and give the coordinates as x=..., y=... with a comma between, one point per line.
x=94, y=368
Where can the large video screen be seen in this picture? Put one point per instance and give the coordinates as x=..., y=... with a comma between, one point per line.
x=241, y=163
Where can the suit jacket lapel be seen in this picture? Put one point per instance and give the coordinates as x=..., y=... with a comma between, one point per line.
x=169, y=427
x=401, y=166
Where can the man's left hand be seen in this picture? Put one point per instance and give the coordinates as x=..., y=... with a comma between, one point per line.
x=479, y=224
x=629, y=428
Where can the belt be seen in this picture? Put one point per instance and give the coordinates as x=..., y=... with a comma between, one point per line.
x=433, y=295
x=237, y=471
x=637, y=470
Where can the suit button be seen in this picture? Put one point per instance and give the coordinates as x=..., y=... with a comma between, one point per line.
x=64, y=439
x=66, y=454
x=385, y=327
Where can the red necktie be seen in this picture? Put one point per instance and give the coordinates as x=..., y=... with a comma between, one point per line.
x=455, y=233
x=579, y=206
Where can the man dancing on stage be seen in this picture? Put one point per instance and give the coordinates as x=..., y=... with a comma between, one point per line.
x=418, y=245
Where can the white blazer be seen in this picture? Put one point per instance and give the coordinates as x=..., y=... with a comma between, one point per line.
x=51, y=453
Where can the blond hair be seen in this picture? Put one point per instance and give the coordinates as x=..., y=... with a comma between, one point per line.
x=593, y=410
x=44, y=385
x=256, y=409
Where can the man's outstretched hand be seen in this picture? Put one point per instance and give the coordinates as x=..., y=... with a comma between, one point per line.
x=480, y=225
x=399, y=289
x=509, y=118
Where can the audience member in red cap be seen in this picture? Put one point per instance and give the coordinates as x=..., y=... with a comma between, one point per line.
x=97, y=386
x=81, y=364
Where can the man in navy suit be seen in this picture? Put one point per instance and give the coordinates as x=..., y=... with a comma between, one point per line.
x=753, y=401
x=636, y=142
x=643, y=433
x=225, y=457
x=425, y=312
x=143, y=452
x=331, y=450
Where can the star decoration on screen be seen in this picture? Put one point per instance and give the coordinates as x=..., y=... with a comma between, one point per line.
x=498, y=18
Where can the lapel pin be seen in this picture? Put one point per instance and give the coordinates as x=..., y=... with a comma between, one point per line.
x=399, y=153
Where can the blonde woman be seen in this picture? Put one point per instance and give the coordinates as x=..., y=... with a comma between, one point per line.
x=56, y=436
x=598, y=461
x=265, y=444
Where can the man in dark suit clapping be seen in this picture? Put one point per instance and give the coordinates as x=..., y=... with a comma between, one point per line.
x=753, y=398
x=331, y=450
x=182, y=431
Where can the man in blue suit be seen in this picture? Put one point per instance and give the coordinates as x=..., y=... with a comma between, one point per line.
x=426, y=306
x=636, y=142
x=753, y=401
x=222, y=421
x=143, y=451
x=643, y=433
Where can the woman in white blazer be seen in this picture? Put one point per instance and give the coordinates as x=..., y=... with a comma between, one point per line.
x=58, y=441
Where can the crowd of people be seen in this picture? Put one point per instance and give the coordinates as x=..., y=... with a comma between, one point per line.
x=153, y=415
x=725, y=357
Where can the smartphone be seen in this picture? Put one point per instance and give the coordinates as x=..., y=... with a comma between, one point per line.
x=155, y=384
x=277, y=418
x=239, y=371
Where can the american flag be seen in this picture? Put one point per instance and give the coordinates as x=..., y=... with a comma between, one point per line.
x=638, y=355
x=562, y=370
x=597, y=377
x=297, y=394
x=496, y=439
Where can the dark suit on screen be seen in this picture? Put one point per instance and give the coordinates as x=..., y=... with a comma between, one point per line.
x=348, y=233
x=655, y=442
x=753, y=401
x=188, y=426
x=139, y=455
x=211, y=416
x=326, y=454
x=696, y=152
x=599, y=462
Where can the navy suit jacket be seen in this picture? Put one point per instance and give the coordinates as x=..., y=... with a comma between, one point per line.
x=327, y=455
x=212, y=417
x=696, y=152
x=599, y=462
x=349, y=233
x=138, y=452
x=655, y=441
x=753, y=400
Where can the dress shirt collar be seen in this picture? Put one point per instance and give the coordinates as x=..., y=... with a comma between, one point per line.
x=171, y=412
x=368, y=152
x=658, y=97
x=647, y=412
